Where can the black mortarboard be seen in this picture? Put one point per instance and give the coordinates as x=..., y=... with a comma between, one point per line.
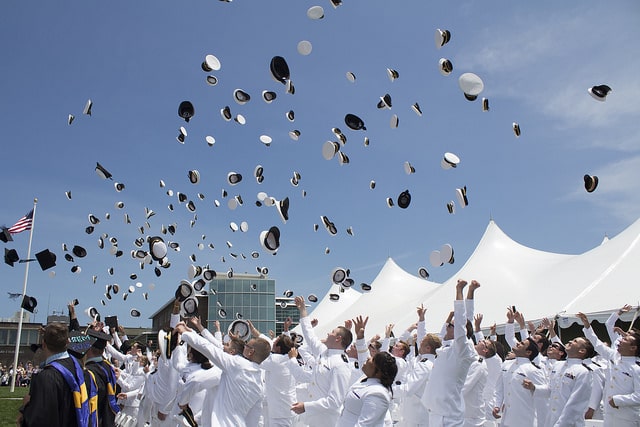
x=29, y=303
x=111, y=321
x=101, y=339
x=10, y=256
x=5, y=236
x=79, y=343
x=46, y=259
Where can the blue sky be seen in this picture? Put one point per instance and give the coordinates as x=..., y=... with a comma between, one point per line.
x=138, y=60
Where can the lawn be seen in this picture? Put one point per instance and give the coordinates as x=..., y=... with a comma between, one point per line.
x=9, y=404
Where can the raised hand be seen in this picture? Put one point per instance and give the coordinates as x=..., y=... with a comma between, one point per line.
x=477, y=321
x=584, y=319
x=388, y=329
x=360, y=324
x=421, y=312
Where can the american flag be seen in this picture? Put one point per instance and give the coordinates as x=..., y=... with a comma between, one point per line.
x=23, y=224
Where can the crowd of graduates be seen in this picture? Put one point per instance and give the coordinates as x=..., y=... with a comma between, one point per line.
x=96, y=376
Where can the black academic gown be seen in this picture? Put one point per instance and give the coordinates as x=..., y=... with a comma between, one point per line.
x=51, y=402
x=106, y=416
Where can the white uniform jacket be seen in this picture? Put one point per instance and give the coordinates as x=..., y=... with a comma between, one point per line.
x=517, y=402
x=239, y=397
x=366, y=404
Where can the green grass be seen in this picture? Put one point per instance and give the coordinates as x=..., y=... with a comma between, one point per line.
x=9, y=406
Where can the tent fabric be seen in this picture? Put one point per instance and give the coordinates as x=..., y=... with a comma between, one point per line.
x=540, y=284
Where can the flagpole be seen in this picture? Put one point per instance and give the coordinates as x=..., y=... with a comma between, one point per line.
x=24, y=292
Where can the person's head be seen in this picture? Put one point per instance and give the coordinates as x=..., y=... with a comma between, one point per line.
x=257, y=350
x=234, y=346
x=374, y=347
x=339, y=338
x=194, y=356
x=526, y=348
x=448, y=334
x=382, y=366
x=400, y=349
x=556, y=351
x=542, y=342
x=486, y=348
x=282, y=344
x=429, y=344
x=578, y=348
x=128, y=347
x=501, y=351
x=144, y=363
x=55, y=338
x=629, y=345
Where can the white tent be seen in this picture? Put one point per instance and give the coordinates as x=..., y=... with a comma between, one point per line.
x=540, y=284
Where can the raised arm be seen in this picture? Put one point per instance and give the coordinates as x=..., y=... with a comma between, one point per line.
x=312, y=342
x=509, y=329
x=359, y=324
x=598, y=345
x=422, y=327
x=611, y=323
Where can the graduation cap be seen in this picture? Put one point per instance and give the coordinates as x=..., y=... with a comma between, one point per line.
x=186, y=110
x=111, y=321
x=354, y=122
x=101, y=339
x=87, y=108
x=29, y=303
x=102, y=172
x=590, y=184
x=10, y=256
x=471, y=85
x=79, y=343
x=5, y=236
x=315, y=12
x=210, y=63
x=270, y=239
x=404, y=199
x=46, y=259
x=79, y=251
x=600, y=92
x=279, y=69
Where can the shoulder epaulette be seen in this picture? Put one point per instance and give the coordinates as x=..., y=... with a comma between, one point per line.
x=638, y=362
x=588, y=368
x=596, y=363
x=533, y=363
x=345, y=358
x=356, y=365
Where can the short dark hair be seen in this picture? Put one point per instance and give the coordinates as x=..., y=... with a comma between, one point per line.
x=405, y=348
x=197, y=357
x=56, y=336
x=491, y=348
x=346, y=337
x=237, y=345
x=284, y=343
x=533, y=348
x=261, y=349
x=544, y=341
